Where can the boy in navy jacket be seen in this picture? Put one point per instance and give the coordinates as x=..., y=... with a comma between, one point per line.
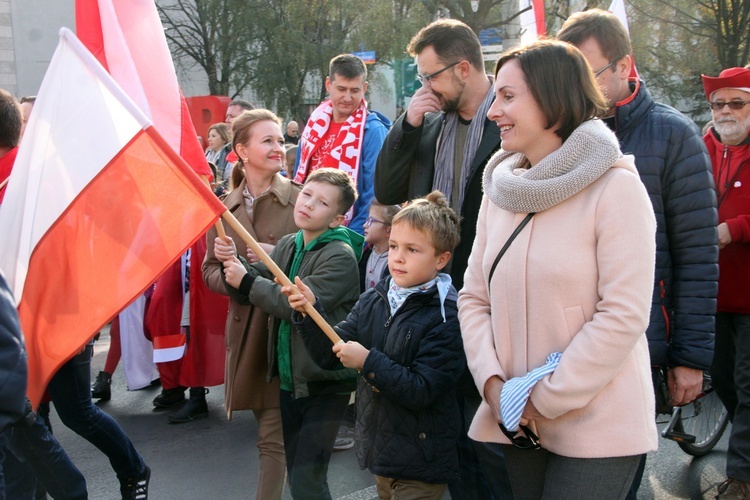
x=403, y=338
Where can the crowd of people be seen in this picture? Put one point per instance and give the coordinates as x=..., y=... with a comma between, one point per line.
x=483, y=293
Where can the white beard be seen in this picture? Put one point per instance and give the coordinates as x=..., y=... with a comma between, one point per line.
x=731, y=130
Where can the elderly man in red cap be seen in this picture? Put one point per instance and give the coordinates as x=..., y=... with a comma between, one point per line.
x=729, y=146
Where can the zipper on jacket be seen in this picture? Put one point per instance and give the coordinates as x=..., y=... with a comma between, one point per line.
x=403, y=347
x=388, y=321
x=662, y=294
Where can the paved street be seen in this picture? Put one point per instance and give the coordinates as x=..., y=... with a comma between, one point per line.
x=215, y=458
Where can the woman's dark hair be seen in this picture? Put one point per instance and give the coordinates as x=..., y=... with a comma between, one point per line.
x=561, y=82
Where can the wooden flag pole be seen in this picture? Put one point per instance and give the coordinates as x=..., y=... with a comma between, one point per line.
x=279, y=274
x=219, y=226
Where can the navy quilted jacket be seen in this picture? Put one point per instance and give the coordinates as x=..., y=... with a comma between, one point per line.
x=13, y=370
x=407, y=416
x=674, y=166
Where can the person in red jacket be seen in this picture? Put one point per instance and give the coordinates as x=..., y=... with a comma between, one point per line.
x=728, y=142
x=10, y=112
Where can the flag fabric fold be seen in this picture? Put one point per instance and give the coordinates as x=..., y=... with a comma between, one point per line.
x=98, y=205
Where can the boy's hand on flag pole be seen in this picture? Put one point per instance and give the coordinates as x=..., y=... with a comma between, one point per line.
x=351, y=354
x=234, y=271
x=299, y=297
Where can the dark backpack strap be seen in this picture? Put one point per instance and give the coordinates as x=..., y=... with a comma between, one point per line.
x=512, y=237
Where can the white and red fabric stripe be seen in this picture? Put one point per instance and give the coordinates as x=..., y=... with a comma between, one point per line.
x=532, y=20
x=97, y=206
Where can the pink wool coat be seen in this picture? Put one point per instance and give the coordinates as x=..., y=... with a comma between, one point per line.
x=578, y=279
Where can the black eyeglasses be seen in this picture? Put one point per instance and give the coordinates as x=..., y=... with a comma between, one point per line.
x=370, y=220
x=605, y=68
x=529, y=441
x=718, y=105
x=427, y=78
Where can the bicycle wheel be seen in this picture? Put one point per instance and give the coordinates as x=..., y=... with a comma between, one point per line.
x=705, y=418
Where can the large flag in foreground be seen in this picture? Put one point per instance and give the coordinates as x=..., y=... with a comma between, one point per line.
x=128, y=40
x=532, y=20
x=98, y=205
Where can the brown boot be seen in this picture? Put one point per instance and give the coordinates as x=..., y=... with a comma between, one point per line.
x=733, y=489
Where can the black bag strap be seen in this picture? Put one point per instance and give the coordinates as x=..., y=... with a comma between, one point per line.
x=512, y=237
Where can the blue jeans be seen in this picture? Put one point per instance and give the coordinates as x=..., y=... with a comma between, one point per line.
x=36, y=455
x=310, y=425
x=70, y=389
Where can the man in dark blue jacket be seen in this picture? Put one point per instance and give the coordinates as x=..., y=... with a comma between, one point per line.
x=675, y=168
x=443, y=142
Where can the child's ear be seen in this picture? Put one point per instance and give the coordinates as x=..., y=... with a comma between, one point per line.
x=337, y=221
x=443, y=259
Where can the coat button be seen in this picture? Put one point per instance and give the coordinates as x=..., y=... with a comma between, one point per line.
x=237, y=319
x=422, y=435
x=371, y=376
x=270, y=236
x=275, y=200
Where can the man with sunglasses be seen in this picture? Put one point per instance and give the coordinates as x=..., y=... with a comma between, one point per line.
x=442, y=142
x=728, y=142
x=673, y=165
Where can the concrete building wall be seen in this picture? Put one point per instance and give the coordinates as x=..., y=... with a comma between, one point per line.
x=35, y=25
x=8, y=78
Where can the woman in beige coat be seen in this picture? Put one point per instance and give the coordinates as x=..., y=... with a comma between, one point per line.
x=572, y=294
x=264, y=204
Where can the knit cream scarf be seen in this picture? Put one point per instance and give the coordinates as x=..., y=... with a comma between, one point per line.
x=589, y=152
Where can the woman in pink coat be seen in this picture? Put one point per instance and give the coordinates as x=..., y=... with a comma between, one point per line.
x=555, y=337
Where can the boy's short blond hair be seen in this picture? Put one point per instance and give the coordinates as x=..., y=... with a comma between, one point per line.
x=339, y=179
x=388, y=212
x=432, y=216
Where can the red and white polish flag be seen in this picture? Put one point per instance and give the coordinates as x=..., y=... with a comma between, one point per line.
x=127, y=37
x=532, y=20
x=98, y=205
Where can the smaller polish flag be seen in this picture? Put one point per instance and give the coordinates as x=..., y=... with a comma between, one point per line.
x=617, y=7
x=98, y=205
x=532, y=21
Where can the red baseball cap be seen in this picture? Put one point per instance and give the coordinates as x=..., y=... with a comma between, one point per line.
x=731, y=78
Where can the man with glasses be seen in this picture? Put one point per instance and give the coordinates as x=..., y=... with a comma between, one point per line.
x=442, y=142
x=728, y=142
x=674, y=166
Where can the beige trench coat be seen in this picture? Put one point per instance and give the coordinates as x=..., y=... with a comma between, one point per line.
x=246, y=372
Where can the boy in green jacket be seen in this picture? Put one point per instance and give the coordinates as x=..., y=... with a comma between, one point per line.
x=324, y=254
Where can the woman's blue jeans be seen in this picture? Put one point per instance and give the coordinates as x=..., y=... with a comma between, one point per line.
x=70, y=389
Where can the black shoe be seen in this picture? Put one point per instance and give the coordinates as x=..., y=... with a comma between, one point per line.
x=136, y=488
x=102, y=386
x=170, y=397
x=195, y=408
